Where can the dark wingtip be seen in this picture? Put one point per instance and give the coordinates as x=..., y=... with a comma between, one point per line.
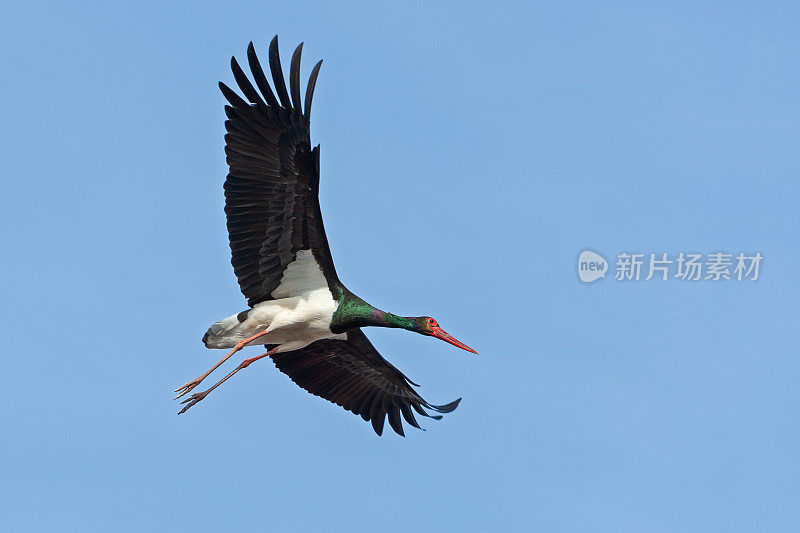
x=377, y=423
x=446, y=408
x=395, y=421
x=294, y=78
x=277, y=73
x=244, y=84
x=408, y=414
x=312, y=82
x=231, y=96
x=258, y=75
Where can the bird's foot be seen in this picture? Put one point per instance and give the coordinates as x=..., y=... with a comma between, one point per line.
x=195, y=398
x=187, y=388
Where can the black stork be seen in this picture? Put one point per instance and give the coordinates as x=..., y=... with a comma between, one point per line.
x=298, y=309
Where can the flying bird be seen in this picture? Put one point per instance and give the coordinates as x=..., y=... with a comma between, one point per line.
x=299, y=310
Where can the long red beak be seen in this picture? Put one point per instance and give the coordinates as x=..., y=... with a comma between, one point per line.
x=439, y=333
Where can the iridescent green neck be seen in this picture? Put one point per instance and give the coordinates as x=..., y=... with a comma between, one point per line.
x=353, y=312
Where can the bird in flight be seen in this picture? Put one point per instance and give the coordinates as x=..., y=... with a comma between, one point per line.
x=298, y=309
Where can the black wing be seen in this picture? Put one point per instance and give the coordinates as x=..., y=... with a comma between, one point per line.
x=271, y=192
x=351, y=373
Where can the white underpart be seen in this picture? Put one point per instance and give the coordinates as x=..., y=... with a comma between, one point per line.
x=299, y=315
x=301, y=276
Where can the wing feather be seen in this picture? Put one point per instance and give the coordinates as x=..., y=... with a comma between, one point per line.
x=312, y=82
x=294, y=78
x=244, y=83
x=352, y=374
x=258, y=75
x=277, y=73
x=271, y=192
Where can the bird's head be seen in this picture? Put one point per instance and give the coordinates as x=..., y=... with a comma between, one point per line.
x=428, y=326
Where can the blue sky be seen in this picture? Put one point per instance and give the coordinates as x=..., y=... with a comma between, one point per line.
x=468, y=155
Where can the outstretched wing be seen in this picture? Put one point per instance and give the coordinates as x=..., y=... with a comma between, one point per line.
x=271, y=192
x=351, y=373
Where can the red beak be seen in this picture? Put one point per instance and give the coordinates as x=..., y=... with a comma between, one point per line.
x=439, y=333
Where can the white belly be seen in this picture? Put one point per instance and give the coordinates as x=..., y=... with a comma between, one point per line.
x=299, y=315
x=291, y=322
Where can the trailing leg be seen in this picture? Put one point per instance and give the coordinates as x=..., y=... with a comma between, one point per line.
x=198, y=396
x=195, y=382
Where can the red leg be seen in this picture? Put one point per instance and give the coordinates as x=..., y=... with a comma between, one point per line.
x=195, y=382
x=197, y=396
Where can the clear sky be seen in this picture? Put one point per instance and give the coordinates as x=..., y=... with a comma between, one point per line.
x=468, y=156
